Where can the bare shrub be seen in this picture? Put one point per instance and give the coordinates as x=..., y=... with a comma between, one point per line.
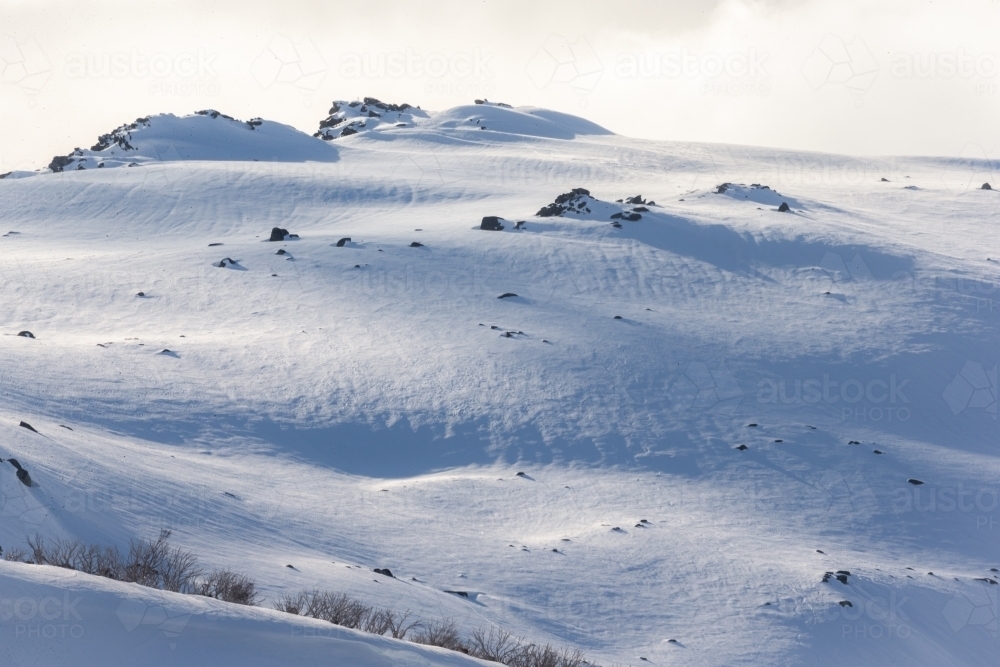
x=292, y=604
x=495, y=644
x=400, y=624
x=16, y=555
x=443, y=634
x=229, y=586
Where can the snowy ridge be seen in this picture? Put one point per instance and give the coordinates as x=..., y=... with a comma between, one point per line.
x=204, y=135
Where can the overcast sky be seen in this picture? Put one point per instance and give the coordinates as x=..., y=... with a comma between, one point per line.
x=867, y=78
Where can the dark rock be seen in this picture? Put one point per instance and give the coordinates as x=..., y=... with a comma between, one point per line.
x=742, y=448
x=212, y=245
x=751, y=426
x=885, y=180
x=846, y=603
x=519, y=224
x=26, y=334
x=643, y=521
x=24, y=477
x=506, y=295
x=60, y=162
x=461, y=594
x=986, y=580
x=986, y=186
x=565, y=201
x=820, y=552
x=521, y=474
x=278, y=234
x=416, y=244
x=616, y=216
x=915, y=482
x=343, y=241
x=14, y=463
x=384, y=571
x=853, y=442
x=640, y=209
x=616, y=225
x=27, y=426
x=783, y=208
x=491, y=223
x=779, y=440
x=281, y=252
x=618, y=317
x=842, y=578
x=141, y=294
x=632, y=217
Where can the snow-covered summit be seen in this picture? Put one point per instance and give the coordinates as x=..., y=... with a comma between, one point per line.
x=372, y=115
x=347, y=118
x=203, y=135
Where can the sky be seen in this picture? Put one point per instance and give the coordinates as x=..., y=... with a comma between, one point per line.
x=884, y=77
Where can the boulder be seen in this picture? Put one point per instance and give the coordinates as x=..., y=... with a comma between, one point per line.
x=491, y=223
x=345, y=240
x=986, y=186
x=783, y=208
x=278, y=234
x=25, y=334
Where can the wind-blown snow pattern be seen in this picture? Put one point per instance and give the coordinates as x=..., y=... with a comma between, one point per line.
x=339, y=408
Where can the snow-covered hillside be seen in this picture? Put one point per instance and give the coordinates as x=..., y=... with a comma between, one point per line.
x=370, y=404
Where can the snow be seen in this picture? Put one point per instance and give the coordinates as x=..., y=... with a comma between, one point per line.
x=350, y=413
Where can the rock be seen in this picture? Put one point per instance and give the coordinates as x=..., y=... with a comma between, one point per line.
x=640, y=209
x=384, y=572
x=742, y=448
x=341, y=242
x=519, y=224
x=751, y=426
x=521, y=474
x=461, y=594
x=28, y=426
x=212, y=245
x=779, y=440
x=26, y=334
x=491, y=223
x=842, y=578
x=783, y=208
x=506, y=295
x=853, y=442
x=846, y=603
x=24, y=477
x=141, y=294
x=618, y=317
x=820, y=552
x=278, y=234
x=915, y=482
x=877, y=451
x=616, y=225
x=885, y=180
x=986, y=186
x=416, y=244
x=14, y=463
x=632, y=217
x=572, y=199
x=281, y=252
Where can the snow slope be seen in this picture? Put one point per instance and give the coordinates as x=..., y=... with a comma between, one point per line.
x=346, y=408
x=53, y=616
